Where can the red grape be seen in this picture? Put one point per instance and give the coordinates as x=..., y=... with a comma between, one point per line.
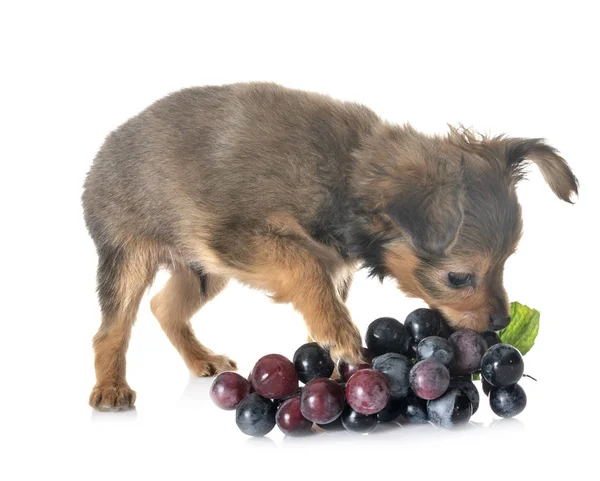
x=348, y=370
x=290, y=420
x=368, y=391
x=322, y=401
x=274, y=377
x=228, y=389
x=429, y=379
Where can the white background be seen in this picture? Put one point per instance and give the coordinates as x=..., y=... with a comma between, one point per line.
x=73, y=72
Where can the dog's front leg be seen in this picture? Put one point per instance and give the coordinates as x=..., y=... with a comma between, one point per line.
x=298, y=271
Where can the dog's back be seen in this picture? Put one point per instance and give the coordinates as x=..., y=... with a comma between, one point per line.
x=229, y=154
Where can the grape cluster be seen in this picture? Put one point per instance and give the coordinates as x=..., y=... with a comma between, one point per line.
x=417, y=372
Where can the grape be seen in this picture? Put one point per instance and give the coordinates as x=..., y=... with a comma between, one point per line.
x=446, y=330
x=412, y=350
x=274, y=377
x=422, y=323
x=490, y=338
x=368, y=391
x=469, y=348
x=290, y=420
x=322, y=400
x=508, y=401
x=250, y=381
x=396, y=368
x=438, y=348
x=486, y=386
x=502, y=365
x=356, y=422
x=387, y=335
x=228, y=389
x=255, y=415
x=347, y=370
x=429, y=379
x=312, y=361
x=335, y=425
x=467, y=387
x=413, y=409
x=391, y=411
x=450, y=410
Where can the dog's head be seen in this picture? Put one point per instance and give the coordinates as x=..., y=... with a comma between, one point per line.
x=448, y=212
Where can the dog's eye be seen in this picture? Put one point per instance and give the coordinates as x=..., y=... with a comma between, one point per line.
x=459, y=279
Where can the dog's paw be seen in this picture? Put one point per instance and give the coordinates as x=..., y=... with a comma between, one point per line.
x=211, y=366
x=347, y=347
x=112, y=397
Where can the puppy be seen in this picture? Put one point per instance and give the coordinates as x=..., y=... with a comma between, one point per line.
x=290, y=192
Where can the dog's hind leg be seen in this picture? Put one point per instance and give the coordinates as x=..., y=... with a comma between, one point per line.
x=183, y=295
x=124, y=273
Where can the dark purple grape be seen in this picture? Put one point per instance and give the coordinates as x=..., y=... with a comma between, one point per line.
x=412, y=350
x=228, y=389
x=502, y=365
x=466, y=386
x=450, y=410
x=322, y=400
x=435, y=347
x=396, y=368
x=446, y=330
x=391, y=411
x=312, y=361
x=348, y=370
x=356, y=422
x=368, y=391
x=429, y=379
x=387, y=335
x=422, y=323
x=486, y=386
x=274, y=377
x=255, y=415
x=508, y=401
x=413, y=410
x=490, y=338
x=290, y=420
x=469, y=348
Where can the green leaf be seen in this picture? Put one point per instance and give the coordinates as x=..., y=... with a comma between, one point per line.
x=523, y=328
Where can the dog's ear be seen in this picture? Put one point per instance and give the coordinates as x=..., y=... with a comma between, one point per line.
x=431, y=215
x=554, y=168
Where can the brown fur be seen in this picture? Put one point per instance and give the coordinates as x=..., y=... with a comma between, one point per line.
x=289, y=192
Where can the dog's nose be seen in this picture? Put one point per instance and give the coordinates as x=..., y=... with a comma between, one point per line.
x=499, y=322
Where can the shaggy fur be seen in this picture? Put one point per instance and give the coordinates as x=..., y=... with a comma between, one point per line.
x=290, y=192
